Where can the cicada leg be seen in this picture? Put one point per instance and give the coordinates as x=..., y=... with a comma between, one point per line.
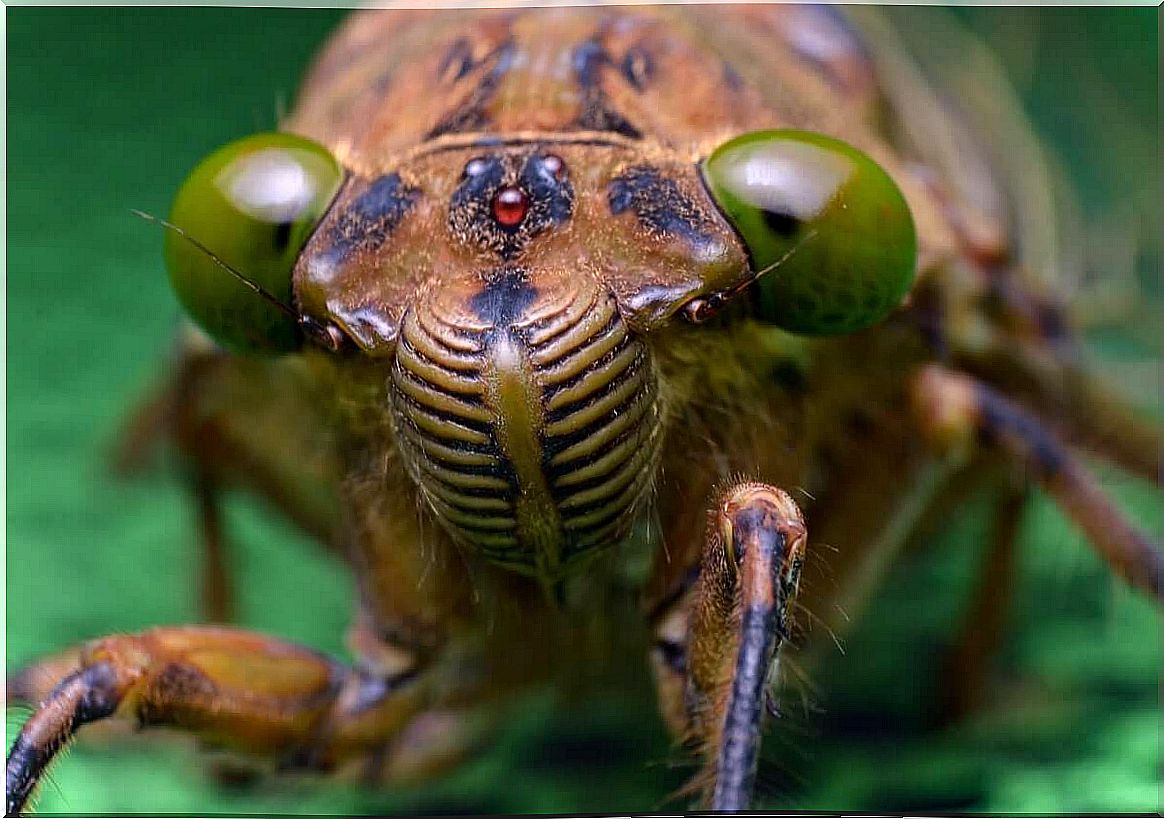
x=247, y=693
x=152, y=425
x=234, y=423
x=715, y=648
x=248, y=424
x=215, y=585
x=958, y=411
x=966, y=665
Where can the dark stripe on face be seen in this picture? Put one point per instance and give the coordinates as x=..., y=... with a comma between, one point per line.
x=504, y=298
x=366, y=220
x=660, y=205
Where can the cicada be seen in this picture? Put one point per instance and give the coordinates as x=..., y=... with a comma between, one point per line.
x=581, y=335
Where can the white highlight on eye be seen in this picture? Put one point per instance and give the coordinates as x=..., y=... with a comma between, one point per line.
x=789, y=177
x=271, y=185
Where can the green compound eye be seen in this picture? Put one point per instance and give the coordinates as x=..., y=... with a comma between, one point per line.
x=827, y=226
x=253, y=203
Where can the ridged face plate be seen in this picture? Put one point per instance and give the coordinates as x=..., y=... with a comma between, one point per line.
x=528, y=416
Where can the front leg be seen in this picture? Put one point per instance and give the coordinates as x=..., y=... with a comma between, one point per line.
x=235, y=689
x=738, y=613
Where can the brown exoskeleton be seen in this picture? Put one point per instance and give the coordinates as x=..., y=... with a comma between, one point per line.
x=530, y=337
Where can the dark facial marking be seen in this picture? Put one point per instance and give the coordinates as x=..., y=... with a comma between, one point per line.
x=366, y=221
x=589, y=60
x=505, y=200
x=470, y=113
x=482, y=174
x=484, y=170
x=506, y=295
x=381, y=206
x=544, y=179
x=660, y=205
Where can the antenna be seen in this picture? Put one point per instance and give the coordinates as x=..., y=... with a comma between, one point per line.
x=699, y=310
x=258, y=289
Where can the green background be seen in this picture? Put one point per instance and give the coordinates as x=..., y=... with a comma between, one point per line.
x=108, y=109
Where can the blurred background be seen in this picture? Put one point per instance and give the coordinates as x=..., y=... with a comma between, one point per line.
x=108, y=109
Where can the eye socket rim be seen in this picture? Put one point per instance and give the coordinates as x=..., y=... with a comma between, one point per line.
x=225, y=308
x=895, y=282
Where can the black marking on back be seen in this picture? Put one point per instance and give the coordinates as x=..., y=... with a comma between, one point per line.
x=731, y=78
x=551, y=202
x=367, y=220
x=470, y=113
x=457, y=62
x=638, y=67
x=661, y=206
x=589, y=60
x=507, y=294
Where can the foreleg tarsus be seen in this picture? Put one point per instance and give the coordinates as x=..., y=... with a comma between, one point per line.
x=741, y=613
x=235, y=689
x=86, y=695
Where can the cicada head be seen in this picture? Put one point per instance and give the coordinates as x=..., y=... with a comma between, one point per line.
x=510, y=287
